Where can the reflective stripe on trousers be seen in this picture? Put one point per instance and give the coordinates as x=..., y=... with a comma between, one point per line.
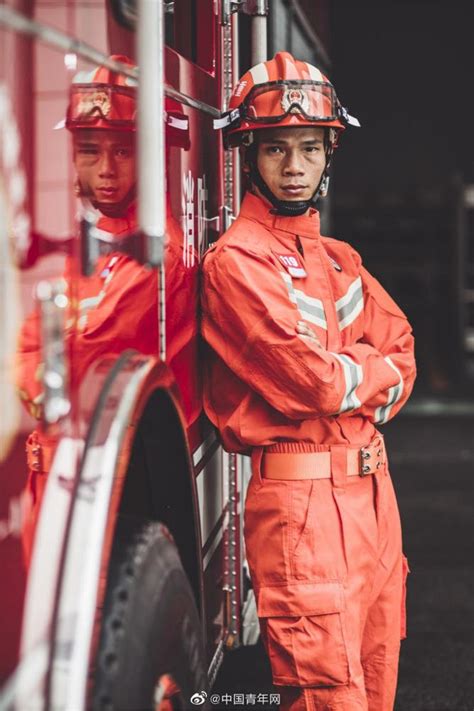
x=326, y=562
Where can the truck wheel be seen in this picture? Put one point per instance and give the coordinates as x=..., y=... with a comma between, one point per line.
x=150, y=653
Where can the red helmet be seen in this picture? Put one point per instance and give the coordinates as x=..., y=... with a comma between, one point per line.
x=103, y=99
x=282, y=92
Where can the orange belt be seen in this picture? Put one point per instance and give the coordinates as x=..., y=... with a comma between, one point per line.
x=317, y=465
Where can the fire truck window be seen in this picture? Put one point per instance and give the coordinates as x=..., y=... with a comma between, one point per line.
x=190, y=30
x=189, y=27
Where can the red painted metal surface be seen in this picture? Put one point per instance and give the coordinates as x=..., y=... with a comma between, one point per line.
x=34, y=81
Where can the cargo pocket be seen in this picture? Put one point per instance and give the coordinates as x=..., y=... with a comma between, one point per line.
x=403, y=616
x=302, y=630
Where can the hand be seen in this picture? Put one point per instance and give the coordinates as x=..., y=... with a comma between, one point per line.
x=302, y=329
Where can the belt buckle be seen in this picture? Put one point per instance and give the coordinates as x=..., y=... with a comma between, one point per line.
x=34, y=454
x=364, y=468
x=36, y=464
x=374, y=450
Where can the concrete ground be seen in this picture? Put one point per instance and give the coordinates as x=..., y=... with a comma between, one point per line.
x=432, y=466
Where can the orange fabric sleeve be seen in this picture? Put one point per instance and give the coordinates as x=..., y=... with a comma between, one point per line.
x=386, y=328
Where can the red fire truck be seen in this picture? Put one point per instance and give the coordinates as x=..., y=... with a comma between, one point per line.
x=137, y=582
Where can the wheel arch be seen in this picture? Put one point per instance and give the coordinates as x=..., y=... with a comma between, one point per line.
x=123, y=469
x=159, y=482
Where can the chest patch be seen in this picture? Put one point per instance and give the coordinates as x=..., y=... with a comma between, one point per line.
x=293, y=265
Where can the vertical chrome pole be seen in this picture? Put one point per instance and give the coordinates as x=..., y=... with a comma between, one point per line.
x=237, y=196
x=259, y=32
x=151, y=144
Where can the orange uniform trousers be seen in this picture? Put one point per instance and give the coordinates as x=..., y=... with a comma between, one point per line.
x=326, y=555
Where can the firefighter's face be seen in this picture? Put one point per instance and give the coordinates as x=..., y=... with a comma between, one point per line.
x=291, y=160
x=105, y=165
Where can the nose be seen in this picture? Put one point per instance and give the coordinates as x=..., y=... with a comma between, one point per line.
x=293, y=163
x=107, y=167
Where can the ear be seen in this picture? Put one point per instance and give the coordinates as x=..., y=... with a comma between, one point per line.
x=74, y=149
x=243, y=160
x=248, y=157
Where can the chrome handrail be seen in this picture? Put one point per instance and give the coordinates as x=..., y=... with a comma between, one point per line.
x=60, y=40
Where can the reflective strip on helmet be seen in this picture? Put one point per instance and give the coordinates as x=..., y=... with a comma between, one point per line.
x=84, y=77
x=182, y=124
x=350, y=305
x=353, y=121
x=259, y=73
x=227, y=119
x=314, y=72
x=353, y=376
x=292, y=71
x=310, y=309
x=221, y=122
x=394, y=394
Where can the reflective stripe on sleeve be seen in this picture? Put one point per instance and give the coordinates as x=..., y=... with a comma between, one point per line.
x=394, y=394
x=91, y=302
x=350, y=305
x=353, y=376
x=310, y=309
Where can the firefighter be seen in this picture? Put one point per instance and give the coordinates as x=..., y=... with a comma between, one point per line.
x=308, y=354
x=115, y=308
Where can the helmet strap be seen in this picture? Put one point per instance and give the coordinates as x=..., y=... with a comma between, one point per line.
x=116, y=209
x=287, y=208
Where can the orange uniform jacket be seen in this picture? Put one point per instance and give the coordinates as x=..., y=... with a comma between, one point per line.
x=266, y=384
x=105, y=322
x=117, y=310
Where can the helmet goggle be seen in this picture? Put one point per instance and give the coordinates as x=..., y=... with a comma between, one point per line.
x=101, y=102
x=273, y=101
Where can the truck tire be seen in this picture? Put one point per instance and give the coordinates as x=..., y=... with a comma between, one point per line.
x=150, y=652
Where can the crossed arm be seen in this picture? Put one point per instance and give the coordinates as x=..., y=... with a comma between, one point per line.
x=249, y=321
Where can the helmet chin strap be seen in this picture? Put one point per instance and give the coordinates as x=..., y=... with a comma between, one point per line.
x=116, y=209
x=287, y=208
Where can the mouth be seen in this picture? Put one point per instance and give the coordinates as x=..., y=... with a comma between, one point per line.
x=294, y=190
x=107, y=192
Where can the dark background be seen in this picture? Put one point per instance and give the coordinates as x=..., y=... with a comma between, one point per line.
x=398, y=185
x=405, y=70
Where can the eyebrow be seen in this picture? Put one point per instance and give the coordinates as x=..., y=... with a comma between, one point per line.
x=95, y=144
x=284, y=142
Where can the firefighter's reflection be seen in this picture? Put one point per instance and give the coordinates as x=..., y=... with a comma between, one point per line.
x=116, y=308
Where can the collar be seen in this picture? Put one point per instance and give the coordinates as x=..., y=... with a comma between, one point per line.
x=254, y=208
